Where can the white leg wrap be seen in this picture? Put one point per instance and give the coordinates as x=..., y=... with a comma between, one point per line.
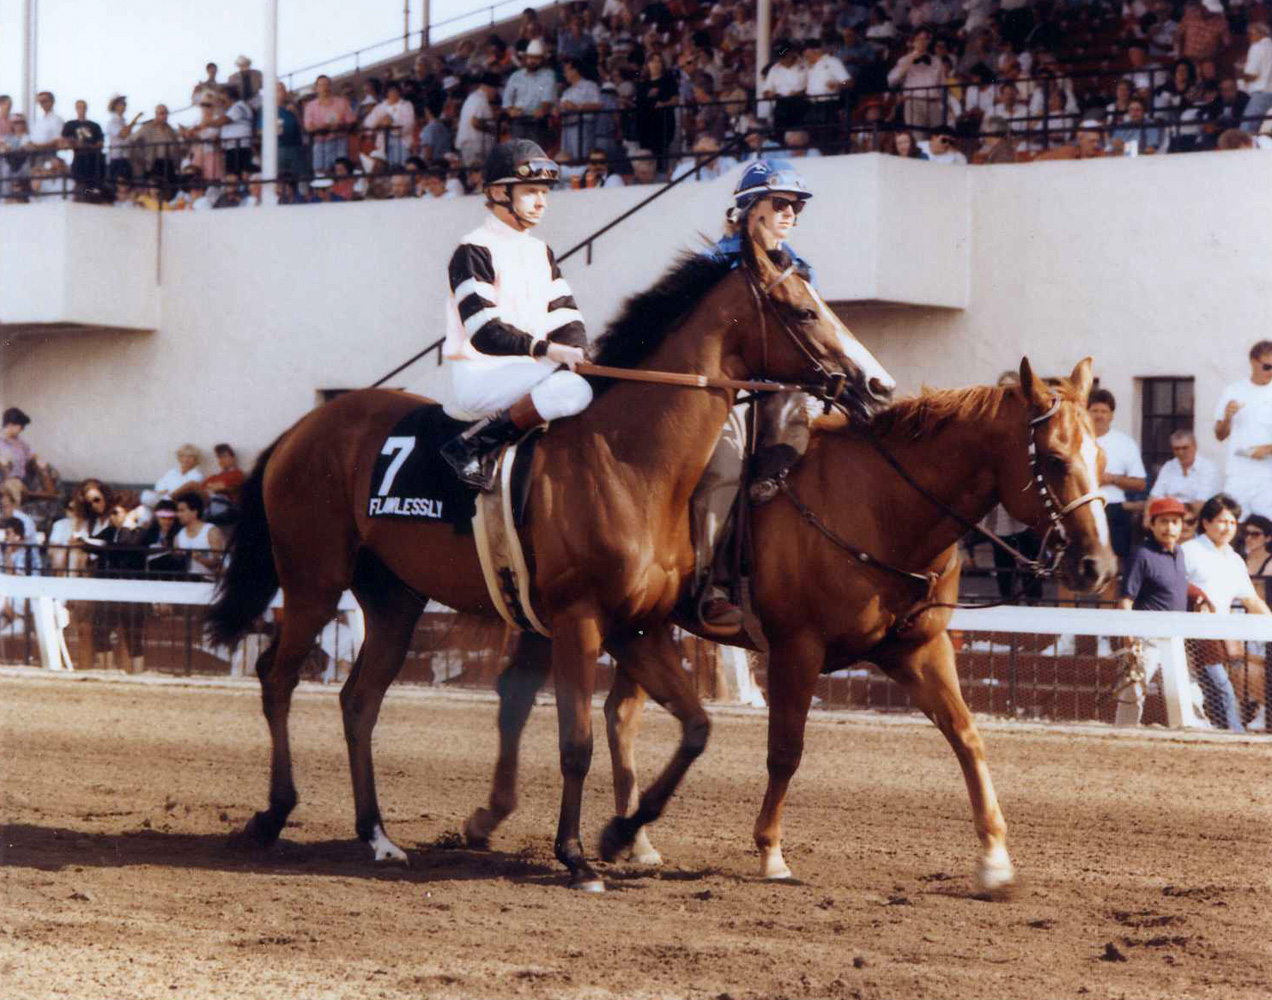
x=385, y=849
x=995, y=871
x=773, y=865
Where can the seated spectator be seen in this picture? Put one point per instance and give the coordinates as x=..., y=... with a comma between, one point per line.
x=1141, y=73
x=183, y=478
x=1235, y=139
x=230, y=194
x=644, y=167
x=1011, y=109
x=401, y=185
x=21, y=550
x=1116, y=110
x=62, y=559
x=435, y=185
x=901, y=143
x=346, y=183
x=1089, y=144
x=202, y=540
x=1220, y=574
x=996, y=145
x=1136, y=135
x=322, y=190
x=435, y=137
x=1256, y=74
x=1123, y=468
x=941, y=148
x=701, y=164
x=598, y=172
x=796, y=141
x=1189, y=477
x=11, y=507
x=1173, y=95
x=1256, y=549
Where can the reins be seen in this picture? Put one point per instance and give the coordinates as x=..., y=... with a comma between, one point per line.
x=686, y=379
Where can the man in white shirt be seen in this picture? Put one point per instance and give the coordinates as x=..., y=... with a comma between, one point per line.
x=1123, y=468
x=917, y=69
x=1215, y=569
x=46, y=130
x=786, y=80
x=1256, y=76
x=1188, y=477
x=474, y=137
x=941, y=149
x=1243, y=418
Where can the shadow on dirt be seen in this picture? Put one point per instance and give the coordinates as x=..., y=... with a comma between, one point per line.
x=57, y=848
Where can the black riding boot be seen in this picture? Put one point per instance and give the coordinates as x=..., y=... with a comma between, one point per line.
x=473, y=454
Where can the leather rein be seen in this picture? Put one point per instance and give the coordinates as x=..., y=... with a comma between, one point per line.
x=1052, y=507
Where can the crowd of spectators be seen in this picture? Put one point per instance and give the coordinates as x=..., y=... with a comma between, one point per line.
x=985, y=81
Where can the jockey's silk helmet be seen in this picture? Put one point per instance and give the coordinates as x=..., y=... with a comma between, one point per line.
x=763, y=178
x=520, y=161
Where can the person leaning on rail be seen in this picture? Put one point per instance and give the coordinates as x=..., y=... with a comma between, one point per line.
x=513, y=331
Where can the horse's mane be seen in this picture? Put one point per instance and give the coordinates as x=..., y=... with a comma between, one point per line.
x=648, y=317
x=932, y=409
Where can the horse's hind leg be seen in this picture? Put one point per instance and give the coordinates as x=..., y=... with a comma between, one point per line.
x=652, y=661
x=304, y=615
x=623, y=710
x=929, y=675
x=391, y=611
x=517, y=687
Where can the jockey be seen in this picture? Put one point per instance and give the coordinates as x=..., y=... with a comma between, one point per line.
x=513, y=331
x=766, y=201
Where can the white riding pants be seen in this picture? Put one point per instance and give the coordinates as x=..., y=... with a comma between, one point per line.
x=480, y=388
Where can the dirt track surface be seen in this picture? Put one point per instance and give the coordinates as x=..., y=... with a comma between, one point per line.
x=1144, y=861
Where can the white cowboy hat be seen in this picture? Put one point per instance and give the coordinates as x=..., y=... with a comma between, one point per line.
x=242, y=61
x=535, y=47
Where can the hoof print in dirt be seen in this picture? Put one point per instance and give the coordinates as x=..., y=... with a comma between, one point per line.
x=448, y=841
x=1112, y=953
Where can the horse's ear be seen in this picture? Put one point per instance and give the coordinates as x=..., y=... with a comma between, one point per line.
x=1082, y=378
x=1035, y=390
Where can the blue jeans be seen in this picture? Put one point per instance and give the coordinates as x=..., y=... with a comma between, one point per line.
x=1260, y=104
x=1221, y=697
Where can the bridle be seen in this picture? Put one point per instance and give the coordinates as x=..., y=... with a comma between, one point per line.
x=832, y=383
x=1043, y=567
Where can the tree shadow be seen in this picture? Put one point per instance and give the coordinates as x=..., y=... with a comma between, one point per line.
x=52, y=849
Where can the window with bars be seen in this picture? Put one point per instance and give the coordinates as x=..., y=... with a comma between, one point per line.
x=1168, y=407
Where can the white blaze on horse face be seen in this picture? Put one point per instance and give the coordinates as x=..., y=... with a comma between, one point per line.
x=854, y=350
x=1090, y=452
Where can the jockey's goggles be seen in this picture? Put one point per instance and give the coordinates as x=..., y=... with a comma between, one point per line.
x=531, y=171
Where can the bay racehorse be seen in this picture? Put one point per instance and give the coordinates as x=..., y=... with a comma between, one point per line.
x=607, y=529
x=824, y=607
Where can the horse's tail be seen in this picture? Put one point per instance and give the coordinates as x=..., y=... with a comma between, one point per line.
x=244, y=591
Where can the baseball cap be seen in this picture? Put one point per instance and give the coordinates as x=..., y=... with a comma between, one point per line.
x=1165, y=505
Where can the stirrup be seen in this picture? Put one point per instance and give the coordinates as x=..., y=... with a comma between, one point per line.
x=725, y=618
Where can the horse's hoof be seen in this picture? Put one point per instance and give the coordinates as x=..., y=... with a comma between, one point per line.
x=773, y=867
x=476, y=833
x=616, y=839
x=648, y=857
x=385, y=851
x=259, y=831
x=592, y=883
x=995, y=875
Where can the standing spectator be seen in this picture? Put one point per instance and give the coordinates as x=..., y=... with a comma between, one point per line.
x=328, y=119
x=574, y=41
x=15, y=159
x=1155, y=578
x=435, y=138
x=1123, y=468
x=46, y=130
x=11, y=506
x=1188, y=477
x=1256, y=549
x=85, y=138
x=205, y=144
x=1226, y=111
x=291, y=147
x=247, y=82
x=828, y=79
x=17, y=459
x=475, y=136
x=425, y=87
x=655, y=114
x=1257, y=75
x=529, y=96
x=208, y=85
x=786, y=84
x=6, y=108
x=118, y=134
x=236, y=131
x=579, y=103
x=1220, y=574
x=1243, y=418
x=1141, y=72
x=21, y=548
x=183, y=478
x=395, y=119
x=1203, y=33
x=158, y=146
x=202, y=540
x=918, y=73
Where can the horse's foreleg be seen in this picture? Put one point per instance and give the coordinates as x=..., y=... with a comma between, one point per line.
x=652, y=661
x=517, y=687
x=930, y=676
x=794, y=665
x=391, y=613
x=575, y=646
x=623, y=710
x=279, y=671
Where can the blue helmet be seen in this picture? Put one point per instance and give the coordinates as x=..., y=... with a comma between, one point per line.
x=766, y=177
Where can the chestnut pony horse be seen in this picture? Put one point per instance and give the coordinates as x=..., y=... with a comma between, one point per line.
x=607, y=526
x=823, y=609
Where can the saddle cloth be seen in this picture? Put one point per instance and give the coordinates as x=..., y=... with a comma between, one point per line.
x=410, y=478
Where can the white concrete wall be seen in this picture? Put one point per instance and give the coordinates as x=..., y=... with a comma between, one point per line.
x=1156, y=266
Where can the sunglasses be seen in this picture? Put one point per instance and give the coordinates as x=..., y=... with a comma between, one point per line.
x=796, y=205
x=95, y=500
x=1190, y=520
x=1253, y=533
x=1266, y=367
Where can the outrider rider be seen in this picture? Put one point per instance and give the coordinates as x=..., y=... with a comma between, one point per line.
x=766, y=202
x=513, y=331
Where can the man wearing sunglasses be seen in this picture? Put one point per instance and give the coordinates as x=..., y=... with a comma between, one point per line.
x=768, y=198
x=513, y=331
x=1243, y=419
